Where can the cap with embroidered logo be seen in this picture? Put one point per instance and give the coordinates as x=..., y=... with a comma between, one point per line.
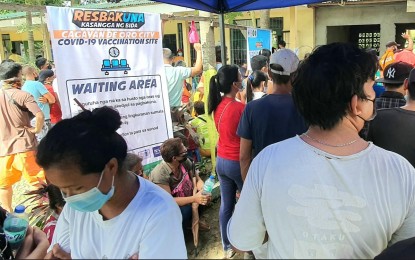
x=395, y=73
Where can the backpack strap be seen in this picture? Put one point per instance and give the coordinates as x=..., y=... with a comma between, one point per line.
x=11, y=100
x=220, y=118
x=204, y=120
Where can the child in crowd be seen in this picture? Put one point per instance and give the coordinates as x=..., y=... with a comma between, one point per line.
x=201, y=127
x=256, y=84
x=46, y=77
x=56, y=203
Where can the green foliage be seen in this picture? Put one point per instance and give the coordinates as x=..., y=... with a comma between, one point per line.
x=22, y=28
x=30, y=2
x=204, y=167
x=37, y=204
x=230, y=17
x=34, y=2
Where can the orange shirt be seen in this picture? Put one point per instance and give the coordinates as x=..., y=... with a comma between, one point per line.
x=386, y=59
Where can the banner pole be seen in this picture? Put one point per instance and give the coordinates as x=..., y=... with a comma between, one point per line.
x=222, y=38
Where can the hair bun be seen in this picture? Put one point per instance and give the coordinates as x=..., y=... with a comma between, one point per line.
x=107, y=119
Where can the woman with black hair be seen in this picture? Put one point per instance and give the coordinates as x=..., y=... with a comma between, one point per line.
x=227, y=113
x=255, y=85
x=109, y=212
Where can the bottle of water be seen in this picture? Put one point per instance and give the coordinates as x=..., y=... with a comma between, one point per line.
x=208, y=186
x=15, y=227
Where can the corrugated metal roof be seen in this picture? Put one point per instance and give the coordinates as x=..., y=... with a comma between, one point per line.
x=123, y=3
x=15, y=15
x=355, y=2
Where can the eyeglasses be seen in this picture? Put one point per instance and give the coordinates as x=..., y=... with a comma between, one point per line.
x=375, y=111
x=182, y=154
x=373, y=100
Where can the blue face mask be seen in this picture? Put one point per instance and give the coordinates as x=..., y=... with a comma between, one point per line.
x=91, y=200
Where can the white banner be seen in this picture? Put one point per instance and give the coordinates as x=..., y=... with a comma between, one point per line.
x=114, y=58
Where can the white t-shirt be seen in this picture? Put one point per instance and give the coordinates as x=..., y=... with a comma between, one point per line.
x=317, y=205
x=151, y=226
x=257, y=95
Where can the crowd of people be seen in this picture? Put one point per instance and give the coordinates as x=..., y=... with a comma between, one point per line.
x=324, y=164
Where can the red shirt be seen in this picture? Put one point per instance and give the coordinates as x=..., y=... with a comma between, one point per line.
x=55, y=109
x=49, y=228
x=405, y=56
x=229, y=142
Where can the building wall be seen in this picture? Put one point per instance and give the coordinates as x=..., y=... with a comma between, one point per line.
x=305, y=31
x=299, y=22
x=227, y=41
x=384, y=14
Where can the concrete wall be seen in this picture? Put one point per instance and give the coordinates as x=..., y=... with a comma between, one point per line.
x=305, y=30
x=385, y=15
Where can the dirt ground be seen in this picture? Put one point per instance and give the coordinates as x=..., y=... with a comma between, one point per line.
x=210, y=245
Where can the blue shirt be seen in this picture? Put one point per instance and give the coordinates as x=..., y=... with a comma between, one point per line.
x=37, y=90
x=175, y=77
x=270, y=119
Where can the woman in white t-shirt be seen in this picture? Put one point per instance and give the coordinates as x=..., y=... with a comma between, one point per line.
x=255, y=85
x=109, y=212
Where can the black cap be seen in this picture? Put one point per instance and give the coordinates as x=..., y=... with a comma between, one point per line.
x=411, y=77
x=395, y=73
x=391, y=43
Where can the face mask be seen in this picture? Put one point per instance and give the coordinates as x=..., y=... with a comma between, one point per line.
x=374, y=113
x=239, y=85
x=49, y=67
x=91, y=200
x=183, y=160
x=180, y=54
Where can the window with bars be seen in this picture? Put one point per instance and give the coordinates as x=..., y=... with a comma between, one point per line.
x=238, y=38
x=276, y=24
x=238, y=46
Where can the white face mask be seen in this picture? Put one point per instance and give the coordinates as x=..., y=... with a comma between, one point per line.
x=91, y=200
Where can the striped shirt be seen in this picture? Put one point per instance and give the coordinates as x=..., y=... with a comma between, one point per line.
x=390, y=99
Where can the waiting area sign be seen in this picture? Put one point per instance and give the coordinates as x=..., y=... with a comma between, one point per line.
x=100, y=61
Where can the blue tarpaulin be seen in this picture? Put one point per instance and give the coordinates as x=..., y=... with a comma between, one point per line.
x=226, y=6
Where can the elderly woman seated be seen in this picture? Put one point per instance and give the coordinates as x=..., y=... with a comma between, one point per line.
x=134, y=163
x=175, y=175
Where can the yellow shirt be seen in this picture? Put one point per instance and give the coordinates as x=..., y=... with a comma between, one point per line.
x=386, y=59
x=16, y=57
